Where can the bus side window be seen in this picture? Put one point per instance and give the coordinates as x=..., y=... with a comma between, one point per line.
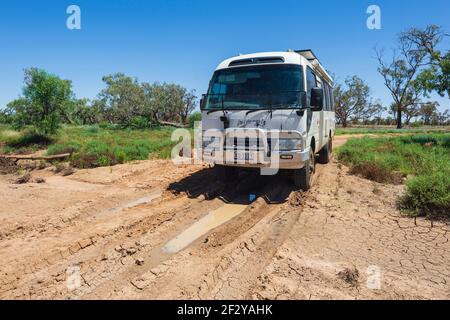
x=326, y=105
x=310, y=79
x=330, y=103
x=310, y=82
x=331, y=99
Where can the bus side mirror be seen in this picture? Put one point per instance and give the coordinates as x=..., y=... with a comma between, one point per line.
x=316, y=99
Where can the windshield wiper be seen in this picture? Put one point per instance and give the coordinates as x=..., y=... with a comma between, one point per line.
x=255, y=110
x=215, y=110
x=288, y=106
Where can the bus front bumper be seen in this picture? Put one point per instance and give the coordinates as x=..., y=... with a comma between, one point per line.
x=289, y=159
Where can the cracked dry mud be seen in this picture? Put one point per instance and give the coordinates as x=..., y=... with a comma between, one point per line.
x=100, y=234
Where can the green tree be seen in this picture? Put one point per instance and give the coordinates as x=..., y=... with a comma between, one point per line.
x=441, y=118
x=168, y=102
x=127, y=102
x=44, y=102
x=417, y=68
x=86, y=113
x=162, y=100
x=398, y=77
x=436, y=75
x=353, y=101
x=189, y=100
x=122, y=99
x=427, y=112
x=5, y=117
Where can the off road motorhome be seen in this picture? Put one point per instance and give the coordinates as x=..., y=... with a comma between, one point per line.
x=271, y=110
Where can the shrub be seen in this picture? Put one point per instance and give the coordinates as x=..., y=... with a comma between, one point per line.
x=421, y=139
x=377, y=172
x=423, y=157
x=196, y=116
x=121, y=156
x=105, y=160
x=84, y=161
x=140, y=123
x=445, y=141
x=428, y=195
x=70, y=147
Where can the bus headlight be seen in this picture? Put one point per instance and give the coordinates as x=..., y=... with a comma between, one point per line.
x=289, y=144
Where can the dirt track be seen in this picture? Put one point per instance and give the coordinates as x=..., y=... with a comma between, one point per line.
x=115, y=226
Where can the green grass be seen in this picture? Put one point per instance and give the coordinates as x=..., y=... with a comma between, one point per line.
x=391, y=130
x=93, y=146
x=423, y=158
x=21, y=142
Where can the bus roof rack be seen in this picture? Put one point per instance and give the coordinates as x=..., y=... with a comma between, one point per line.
x=309, y=55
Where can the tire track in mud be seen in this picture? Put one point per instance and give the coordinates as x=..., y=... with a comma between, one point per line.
x=87, y=193
x=237, y=271
x=156, y=255
x=102, y=233
x=118, y=253
x=82, y=212
x=106, y=252
x=146, y=226
x=226, y=262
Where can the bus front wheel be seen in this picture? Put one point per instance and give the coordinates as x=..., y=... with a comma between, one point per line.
x=325, y=153
x=303, y=177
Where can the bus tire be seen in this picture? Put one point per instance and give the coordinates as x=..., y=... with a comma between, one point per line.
x=325, y=153
x=303, y=177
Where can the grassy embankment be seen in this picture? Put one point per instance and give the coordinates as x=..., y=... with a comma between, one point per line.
x=92, y=146
x=423, y=161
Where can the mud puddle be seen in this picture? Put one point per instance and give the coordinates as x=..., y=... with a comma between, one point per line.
x=212, y=220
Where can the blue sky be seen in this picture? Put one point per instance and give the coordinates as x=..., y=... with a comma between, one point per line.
x=183, y=41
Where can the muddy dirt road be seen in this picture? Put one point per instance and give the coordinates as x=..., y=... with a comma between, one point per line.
x=155, y=230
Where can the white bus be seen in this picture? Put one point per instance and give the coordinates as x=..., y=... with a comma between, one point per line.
x=271, y=110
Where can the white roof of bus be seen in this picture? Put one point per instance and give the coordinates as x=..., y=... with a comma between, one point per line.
x=289, y=57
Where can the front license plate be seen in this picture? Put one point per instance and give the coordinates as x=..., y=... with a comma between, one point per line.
x=244, y=156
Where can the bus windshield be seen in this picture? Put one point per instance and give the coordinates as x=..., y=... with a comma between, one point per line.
x=256, y=87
